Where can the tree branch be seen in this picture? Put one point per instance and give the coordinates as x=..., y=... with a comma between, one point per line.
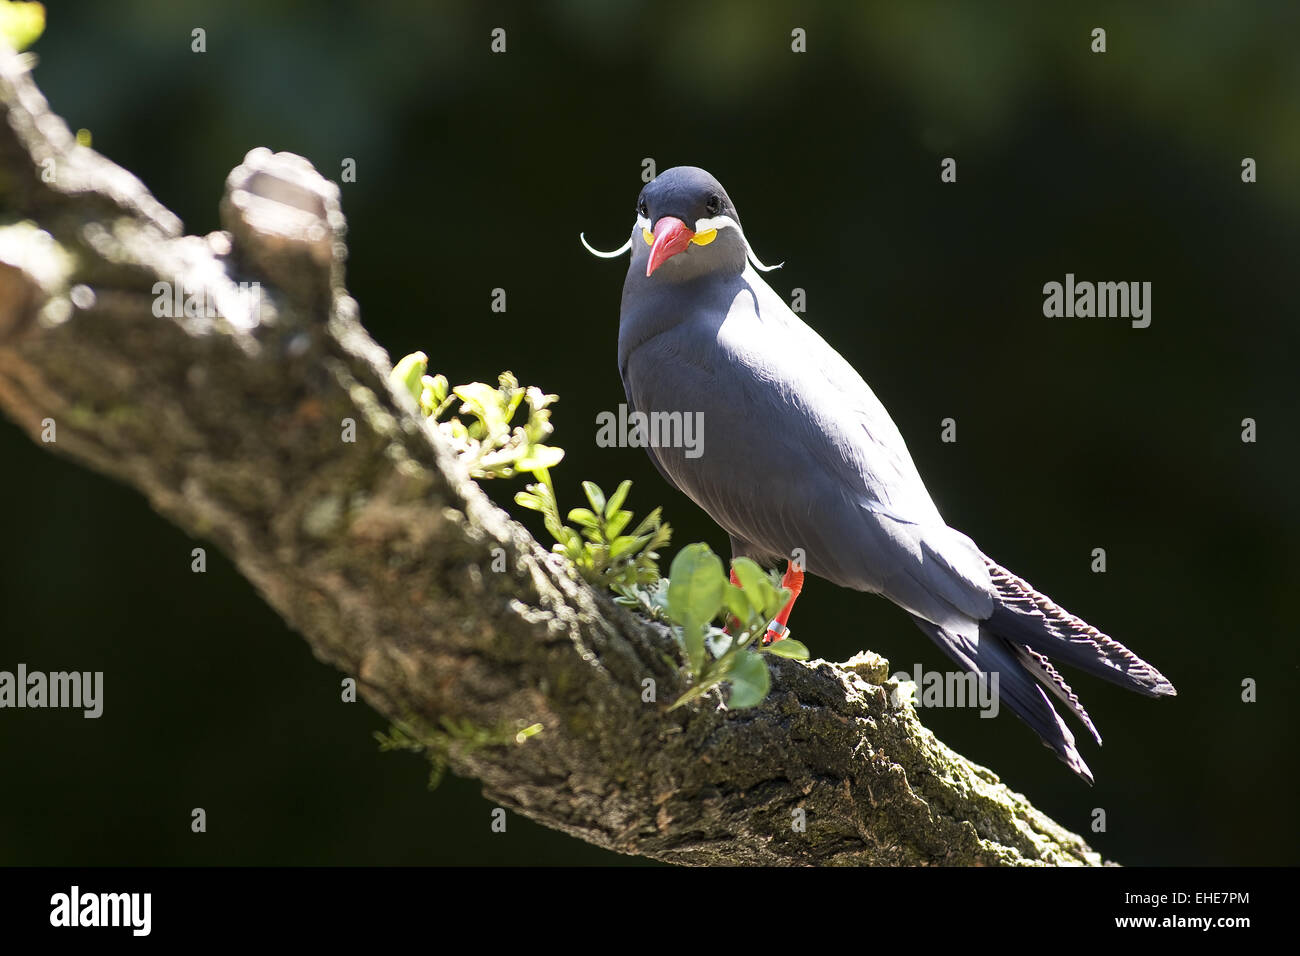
x=231, y=421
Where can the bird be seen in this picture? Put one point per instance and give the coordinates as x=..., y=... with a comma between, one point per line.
x=800, y=458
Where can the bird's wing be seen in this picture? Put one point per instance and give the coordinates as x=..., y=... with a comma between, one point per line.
x=799, y=454
x=882, y=521
x=840, y=421
x=631, y=410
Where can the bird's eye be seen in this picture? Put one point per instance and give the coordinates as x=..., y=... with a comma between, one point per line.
x=714, y=205
x=642, y=209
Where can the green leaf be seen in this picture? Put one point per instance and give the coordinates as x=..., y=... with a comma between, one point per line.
x=614, y=526
x=754, y=580
x=736, y=602
x=696, y=584
x=649, y=523
x=695, y=589
x=510, y=392
x=436, y=398
x=540, y=457
x=621, y=547
x=595, y=496
x=409, y=373
x=584, y=517
x=476, y=394
x=750, y=680
x=483, y=402
x=789, y=648
x=437, y=385
x=616, y=500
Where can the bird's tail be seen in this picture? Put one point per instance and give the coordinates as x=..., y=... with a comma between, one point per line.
x=1014, y=643
x=1025, y=616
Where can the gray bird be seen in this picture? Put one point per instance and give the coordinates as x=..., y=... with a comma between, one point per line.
x=798, y=453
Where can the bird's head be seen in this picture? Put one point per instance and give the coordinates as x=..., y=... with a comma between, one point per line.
x=686, y=226
x=686, y=217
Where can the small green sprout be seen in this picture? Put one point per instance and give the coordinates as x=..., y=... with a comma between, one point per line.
x=605, y=553
x=459, y=738
x=482, y=431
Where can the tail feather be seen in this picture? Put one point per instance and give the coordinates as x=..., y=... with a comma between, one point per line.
x=1025, y=616
x=1016, y=669
x=1049, y=677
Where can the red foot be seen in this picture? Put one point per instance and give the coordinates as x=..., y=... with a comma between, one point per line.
x=793, y=582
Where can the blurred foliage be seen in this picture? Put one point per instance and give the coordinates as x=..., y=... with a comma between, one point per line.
x=21, y=23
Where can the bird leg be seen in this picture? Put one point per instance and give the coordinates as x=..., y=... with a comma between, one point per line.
x=793, y=582
x=732, y=620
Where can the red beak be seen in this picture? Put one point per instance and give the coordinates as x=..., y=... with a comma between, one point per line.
x=671, y=237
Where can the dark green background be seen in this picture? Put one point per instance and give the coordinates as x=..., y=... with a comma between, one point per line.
x=478, y=171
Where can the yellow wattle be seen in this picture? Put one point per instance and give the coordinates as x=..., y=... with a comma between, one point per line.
x=700, y=238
